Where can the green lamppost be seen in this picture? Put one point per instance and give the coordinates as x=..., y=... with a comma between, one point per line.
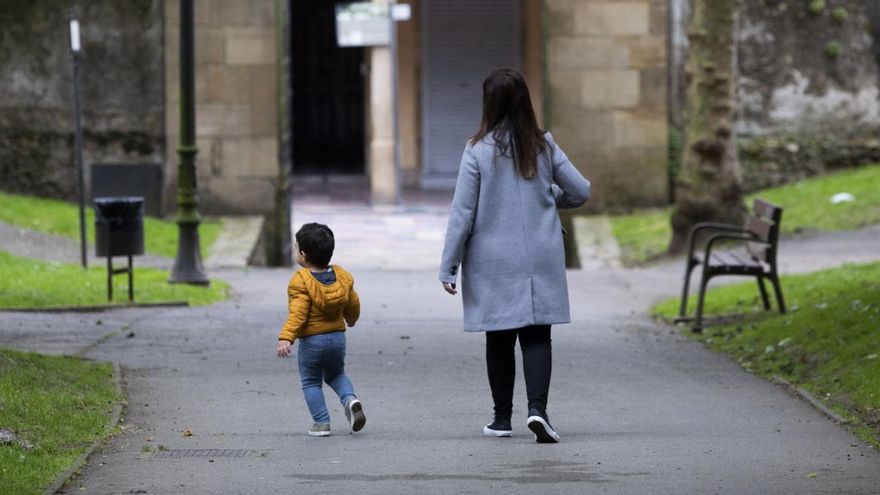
x=188, y=264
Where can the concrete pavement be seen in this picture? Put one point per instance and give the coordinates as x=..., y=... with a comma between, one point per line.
x=640, y=409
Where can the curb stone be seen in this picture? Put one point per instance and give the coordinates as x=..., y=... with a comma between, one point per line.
x=115, y=415
x=803, y=394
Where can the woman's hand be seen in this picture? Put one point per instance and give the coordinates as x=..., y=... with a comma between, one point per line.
x=283, y=348
x=450, y=288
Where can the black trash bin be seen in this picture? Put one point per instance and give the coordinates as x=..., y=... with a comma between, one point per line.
x=119, y=226
x=119, y=231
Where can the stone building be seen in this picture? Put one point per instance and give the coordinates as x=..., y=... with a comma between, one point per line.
x=279, y=101
x=596, y=71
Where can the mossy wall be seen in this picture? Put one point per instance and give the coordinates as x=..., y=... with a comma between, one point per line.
x=121, y=77
x=807, y=66
x=808, y=99
x=808, y=89
x=769, y=161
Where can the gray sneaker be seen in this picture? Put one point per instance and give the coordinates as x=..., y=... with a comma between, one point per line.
x=354, y=411
x=320, y=430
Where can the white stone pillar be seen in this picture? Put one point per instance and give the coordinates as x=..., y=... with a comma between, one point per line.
x=383, y=176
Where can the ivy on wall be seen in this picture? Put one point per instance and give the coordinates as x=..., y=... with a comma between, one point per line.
x=838, y=15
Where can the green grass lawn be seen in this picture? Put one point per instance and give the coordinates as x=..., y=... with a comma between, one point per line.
x=62, y=218
x=28, y=283
x=645, y=234
x=60, y=405
x=828, y=342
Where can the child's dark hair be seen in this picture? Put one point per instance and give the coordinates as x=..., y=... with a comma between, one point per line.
x=316, y=241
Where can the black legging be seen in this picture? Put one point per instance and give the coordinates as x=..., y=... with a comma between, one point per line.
x=537, y=365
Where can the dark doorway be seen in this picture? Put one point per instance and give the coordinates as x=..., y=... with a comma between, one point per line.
x=328, y=94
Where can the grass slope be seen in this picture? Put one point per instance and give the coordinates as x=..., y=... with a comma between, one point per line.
x=828, y=342
x=61, y=405
x=28, y=283
x=62, y=218
x=644, y=235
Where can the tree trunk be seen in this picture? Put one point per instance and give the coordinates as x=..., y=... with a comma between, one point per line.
x=709, y=184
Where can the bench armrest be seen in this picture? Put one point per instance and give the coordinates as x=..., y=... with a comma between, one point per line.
x=724, y=227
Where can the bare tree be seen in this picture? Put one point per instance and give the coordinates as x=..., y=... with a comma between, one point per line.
x=709, y=184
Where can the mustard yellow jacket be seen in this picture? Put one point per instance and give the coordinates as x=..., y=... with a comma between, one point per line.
x=315, y=308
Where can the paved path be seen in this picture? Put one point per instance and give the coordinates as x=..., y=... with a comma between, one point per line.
x=48, y=247
x=386, y=237
x=231, y=250
x=640, y=409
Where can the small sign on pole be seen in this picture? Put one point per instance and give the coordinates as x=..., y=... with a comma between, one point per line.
x=362, y=24
x=74, y=36
x=75, y=47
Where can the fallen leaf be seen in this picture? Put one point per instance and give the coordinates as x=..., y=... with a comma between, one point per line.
x=6, y=436
x=187, y=433
x=811, y=474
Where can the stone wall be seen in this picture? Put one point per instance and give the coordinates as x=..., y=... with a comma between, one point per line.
x=121, y=91
x=806, y=66
x=237, y=103
x=808, y=90
x=808, y=98
x=606, y=94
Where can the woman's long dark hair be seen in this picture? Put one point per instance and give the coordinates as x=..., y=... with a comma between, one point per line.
x=509, y=116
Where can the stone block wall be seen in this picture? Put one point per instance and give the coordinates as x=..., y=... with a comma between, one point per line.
x=237, y=103
x=606, y=95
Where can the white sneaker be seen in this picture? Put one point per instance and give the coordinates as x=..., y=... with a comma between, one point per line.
x=354, y=411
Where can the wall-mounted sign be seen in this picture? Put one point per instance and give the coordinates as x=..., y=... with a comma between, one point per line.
x=368, y=24
x=362, y=24
x=401, y=12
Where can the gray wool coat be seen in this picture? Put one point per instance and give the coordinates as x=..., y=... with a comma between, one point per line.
x=505, y=233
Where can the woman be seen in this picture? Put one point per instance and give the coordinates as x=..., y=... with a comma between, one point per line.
x=504, y=231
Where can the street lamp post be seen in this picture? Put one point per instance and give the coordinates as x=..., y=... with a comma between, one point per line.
x=188, y=264
x=75, y=47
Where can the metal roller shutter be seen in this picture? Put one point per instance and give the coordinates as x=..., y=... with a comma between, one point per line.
x=462, y=42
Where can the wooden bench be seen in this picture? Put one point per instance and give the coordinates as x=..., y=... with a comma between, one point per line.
x=761, y=237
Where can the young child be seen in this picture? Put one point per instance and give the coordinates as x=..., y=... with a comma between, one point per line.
x=321, y=300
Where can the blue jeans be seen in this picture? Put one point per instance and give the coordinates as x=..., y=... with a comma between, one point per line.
x=322, y=359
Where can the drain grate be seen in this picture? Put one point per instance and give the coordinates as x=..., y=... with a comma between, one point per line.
x=212, y=453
